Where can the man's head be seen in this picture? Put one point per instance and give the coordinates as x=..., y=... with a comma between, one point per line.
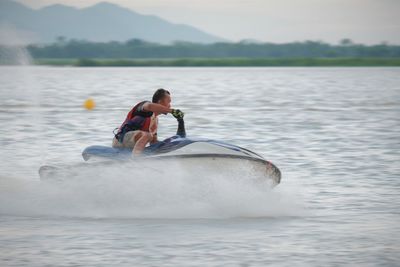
x=162, y=97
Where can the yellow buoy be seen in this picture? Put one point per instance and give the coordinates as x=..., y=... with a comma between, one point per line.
x=89, y=104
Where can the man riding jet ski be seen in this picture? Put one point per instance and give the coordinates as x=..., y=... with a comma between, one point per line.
x=177, y=152
x=141, y=123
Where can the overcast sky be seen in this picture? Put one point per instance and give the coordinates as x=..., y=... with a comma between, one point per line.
x=363, y=21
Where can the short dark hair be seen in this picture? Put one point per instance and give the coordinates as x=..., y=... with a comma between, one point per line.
x=159, y=94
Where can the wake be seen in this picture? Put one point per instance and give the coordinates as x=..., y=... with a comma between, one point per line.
x=177, y=195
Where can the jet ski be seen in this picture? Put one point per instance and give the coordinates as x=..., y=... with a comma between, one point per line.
x=177, y=153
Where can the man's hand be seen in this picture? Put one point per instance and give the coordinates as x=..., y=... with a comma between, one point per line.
x=177, y=114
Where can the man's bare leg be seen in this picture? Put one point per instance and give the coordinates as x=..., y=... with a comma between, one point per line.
x=142, y=138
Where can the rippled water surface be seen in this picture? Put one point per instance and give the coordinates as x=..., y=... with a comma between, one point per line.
x=333, y=132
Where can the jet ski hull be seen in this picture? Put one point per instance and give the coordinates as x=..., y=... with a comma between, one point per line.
x=216, y=164
x=175, y=155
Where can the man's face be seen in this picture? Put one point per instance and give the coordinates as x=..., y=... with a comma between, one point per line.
x=165, y=101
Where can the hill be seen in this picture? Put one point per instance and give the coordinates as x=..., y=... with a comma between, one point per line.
x=102, y=22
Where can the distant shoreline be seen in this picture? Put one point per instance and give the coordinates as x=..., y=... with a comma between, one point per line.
x=224, y=62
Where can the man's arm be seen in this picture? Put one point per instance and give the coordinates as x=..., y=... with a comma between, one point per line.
x=157, y=108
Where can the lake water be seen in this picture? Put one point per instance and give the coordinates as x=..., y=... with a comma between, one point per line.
x=333, y=132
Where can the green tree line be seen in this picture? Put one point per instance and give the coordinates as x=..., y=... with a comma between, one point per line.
x=139, y=49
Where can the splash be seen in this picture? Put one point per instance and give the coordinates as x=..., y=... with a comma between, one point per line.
x=112, y=193
x=13, y=46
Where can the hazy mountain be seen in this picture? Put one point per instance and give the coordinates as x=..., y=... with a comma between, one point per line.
x=101, y=22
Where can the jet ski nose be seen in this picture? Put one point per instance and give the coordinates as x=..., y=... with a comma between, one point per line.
x=273, y=172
